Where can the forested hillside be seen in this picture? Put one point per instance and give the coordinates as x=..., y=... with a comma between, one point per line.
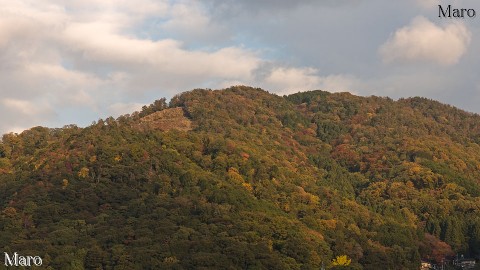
x=244, y=179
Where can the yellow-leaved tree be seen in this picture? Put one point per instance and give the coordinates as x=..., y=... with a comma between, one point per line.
x=83, y=172
x=341, y=260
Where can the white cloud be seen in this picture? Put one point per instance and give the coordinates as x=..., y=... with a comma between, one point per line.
x=190, y=22
x=25, y=107
x=118, y=109
x=422, y=40
x=290, y=80
x=17, y=114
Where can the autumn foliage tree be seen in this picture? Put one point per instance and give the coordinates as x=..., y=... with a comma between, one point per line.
x=253, y=181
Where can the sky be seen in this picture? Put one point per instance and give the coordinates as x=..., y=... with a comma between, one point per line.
x=76, y=61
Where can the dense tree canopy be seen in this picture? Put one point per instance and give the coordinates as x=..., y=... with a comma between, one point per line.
x=250, y=180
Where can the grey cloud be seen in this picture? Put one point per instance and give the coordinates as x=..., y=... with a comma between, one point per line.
x=275, y=5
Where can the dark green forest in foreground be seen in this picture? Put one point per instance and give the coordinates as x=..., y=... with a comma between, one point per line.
x=244, y=179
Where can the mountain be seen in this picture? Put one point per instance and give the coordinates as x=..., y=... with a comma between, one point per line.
x=243, y=179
